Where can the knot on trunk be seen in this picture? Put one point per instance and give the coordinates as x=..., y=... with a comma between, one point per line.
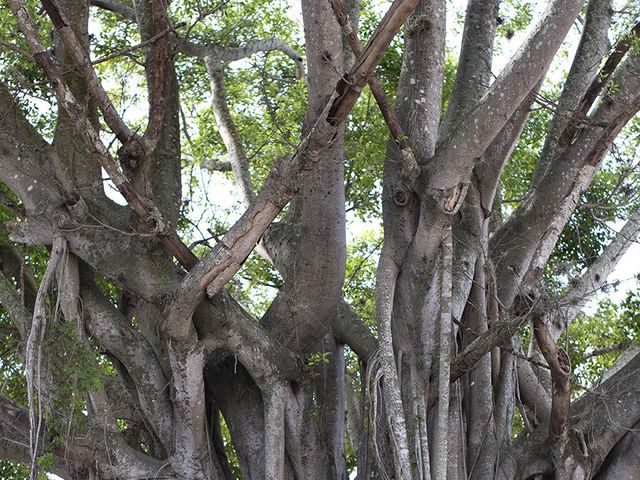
x=132, y=154
x=450, y=200
x=401, y=197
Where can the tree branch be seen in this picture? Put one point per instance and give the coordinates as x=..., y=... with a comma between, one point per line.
x=81, y=58
x=228, y=131
x=558, y=361
x=410, y=163
x=583, y=288
x=219, y=266
x=116, y=7
x=222, y=53
x=11, y=301
x=592, y=47
x=142, y=207
x=133, y=351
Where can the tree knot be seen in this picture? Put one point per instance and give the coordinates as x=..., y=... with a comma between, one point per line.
x=450, y=199
x=401, y=197
x=132, y=153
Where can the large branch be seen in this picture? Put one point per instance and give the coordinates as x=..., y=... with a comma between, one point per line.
x=592, y=47
x=114, y=6
x=219, y=266
x=114, y=334
x=456, y=154
x=473, y=74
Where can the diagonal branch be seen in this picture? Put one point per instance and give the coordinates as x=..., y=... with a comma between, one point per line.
x=285, y=179
x=116, y=7
x=224, y=53
x=599, y=82
x=81, y=58
x=595, y=276
x=397, y=134
x=143, y=208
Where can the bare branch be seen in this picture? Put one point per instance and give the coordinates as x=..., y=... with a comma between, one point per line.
x=219, y=266
x=138, y=46
x=116, y=7
x=222, y=53
x=228, y=131
x=81, y=58
x=604, y=350
x=410, y=163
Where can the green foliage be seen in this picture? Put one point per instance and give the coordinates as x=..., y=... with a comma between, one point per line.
x=388, y=69
x=610, y=325
x=514, y=17
x=365, y=147
x=256, y=285
x=14, y=471
x=360, y=279
x=46, y=461
x=75, y=373
x=519, y=168
x=450, y=69
x=318, y=358
x=232, y=456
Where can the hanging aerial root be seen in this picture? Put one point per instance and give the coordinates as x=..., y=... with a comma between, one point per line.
x=374, y=391
x=444, y=364
x=385, y=293
x=33, y=350
x=274, y=430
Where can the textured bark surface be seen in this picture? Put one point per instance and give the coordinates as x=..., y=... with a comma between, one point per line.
x=207, y=390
